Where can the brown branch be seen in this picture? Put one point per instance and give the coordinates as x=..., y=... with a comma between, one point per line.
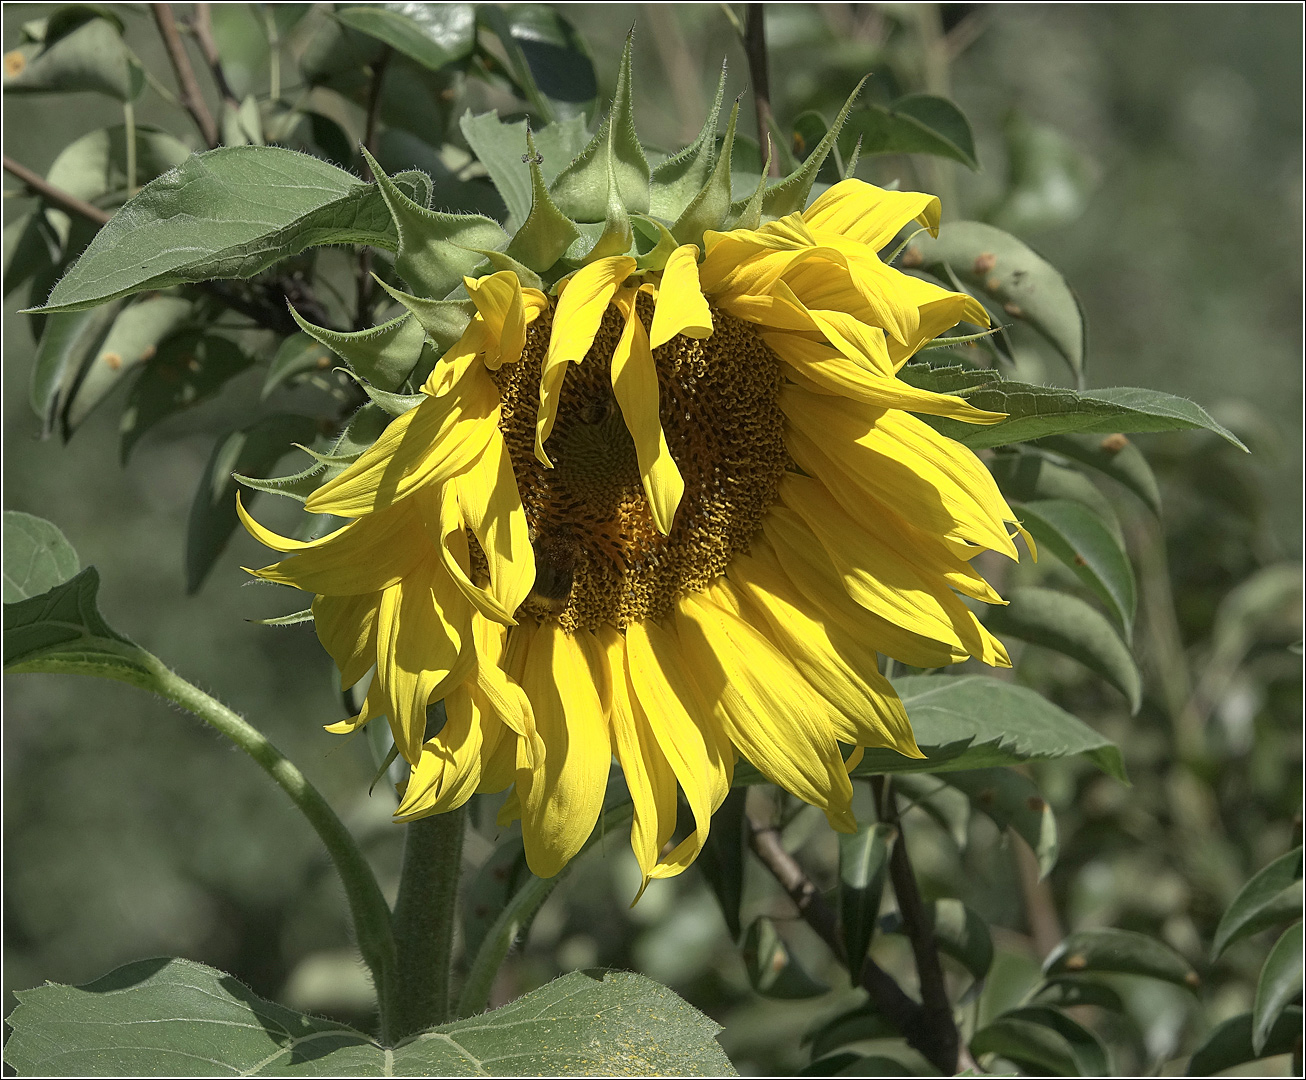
x=363, y=305
x=55, y=196
x=759, y=76
x=202, y=25
x=191, y=97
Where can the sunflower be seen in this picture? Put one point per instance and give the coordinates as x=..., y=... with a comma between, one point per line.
x=664, y=512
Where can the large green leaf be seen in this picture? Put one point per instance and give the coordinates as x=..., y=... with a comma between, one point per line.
x=431, y=34
x=174, y=1017
x=1230, y=1043
x=213, y=513
x=1020, y=1036
x=1084, y=542
x=1279, y=984
x=1013, y=801
x=1116, y=457
x=915, y=124
x=1121, y=951
x=1035, y=412
x=1274, y=894
x=90, y=57
x=975, y=722
x=1057, y=620
x=228, y=213
x=1018, y=281
x=67, y=345
x=37, y=556
x=96, y=164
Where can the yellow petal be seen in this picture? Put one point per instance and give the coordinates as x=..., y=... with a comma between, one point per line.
x=448, y=771
x=444, y=522
x=276, y=541
x=426, y=445
x=580, y=311
x=562, y=796
x=499, y=302
x=768, y=710
x=635, y=386
x=649, y=778
x=871, y=215
x=346, y=626
x=840, y=668
x=501, y=691
x=454, y=365
x=681, y=308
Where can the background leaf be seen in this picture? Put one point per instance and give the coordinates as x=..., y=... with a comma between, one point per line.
x=90, y=57
x=1116, y=457
x=1230, y=1043
x=1013, y=801
x=37, y=556
x=863, y=865
x=1122, y=951
x=432, y=34
x=915, y=124
x=162, y=1017
x=1273, y=894
x=1280, y=982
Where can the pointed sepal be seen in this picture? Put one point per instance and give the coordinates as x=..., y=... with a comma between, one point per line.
x=678, y=180
x=443, y=320
x=547, y=232
x=711, y=205
x=581, y=189
x=435, y=249
x=383, y=355
x=790, y=195
x=747, y=213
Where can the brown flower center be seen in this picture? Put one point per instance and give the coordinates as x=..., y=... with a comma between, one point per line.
x=599, y=557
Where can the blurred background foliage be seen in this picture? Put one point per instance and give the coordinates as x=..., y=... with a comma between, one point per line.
x=1151, y=152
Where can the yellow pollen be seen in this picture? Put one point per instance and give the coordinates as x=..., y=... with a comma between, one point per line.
x=599, y=557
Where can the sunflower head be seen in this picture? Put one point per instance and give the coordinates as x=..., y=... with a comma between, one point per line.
x=661, y=499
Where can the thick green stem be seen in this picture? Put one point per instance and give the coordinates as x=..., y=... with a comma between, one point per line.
x=424, y=925
x=366, y=902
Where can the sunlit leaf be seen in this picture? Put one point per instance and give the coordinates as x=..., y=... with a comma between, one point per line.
x=432, y=34
x=37, y=556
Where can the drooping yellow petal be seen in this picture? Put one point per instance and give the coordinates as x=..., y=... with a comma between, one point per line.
x=562, y=796
x=665, y=702
x=827, y=371
x=841, y=669
x=276, y=541
x=871, y=215
x=499, y=302
x=635, y=386
x=930, y=480
x=426, y=445
x=501, y=691
x=365, y=556
x=575, y=322
x=346, y=626
x=681, y=308
x=766, y=707
x=448, y=771
x=443, y=517
x=649, y=776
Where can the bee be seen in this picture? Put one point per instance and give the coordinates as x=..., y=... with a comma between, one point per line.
x=555, y=565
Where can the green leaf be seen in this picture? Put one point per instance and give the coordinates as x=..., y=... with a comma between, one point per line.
x=69, y=341
x=678, y=180
x=1048, y=181
x=132, y=340
x=1057, y=620
x=213, y=512
x=1071, y=991
x=435, y=250
x=499, y=879
x=228, y=213
x=297, y=355
x=61, y=630
x=772, y=970
x=581, y=189
x=1035, y=412
x=851, y=1064
x=863, y=1022
x=188, y=368
x=949, y=808
x=31, y=248
x=175, y=1017
x=1279, y=984
x=1274, y=894
x=37, y=556
x=948, y=379
x=432, y=34
x=95, y=165
x=790, y=195
x=976, y=722
x=1088, y=1055
x=1116, y=457
x=863, y=864
x=92, y=57
x=1013, y=801
x=1083, y=541
x=1230, y=1043
x=915, y=124
x=960, y=933
x=501, y=148
x=722, y=858
x=1020, y=282
x=1032, y=1045
x=383, y=355
x=547, y=57
x=1027, y=474
x=1121, y=951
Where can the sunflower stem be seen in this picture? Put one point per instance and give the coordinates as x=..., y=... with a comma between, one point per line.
x=424, y=925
